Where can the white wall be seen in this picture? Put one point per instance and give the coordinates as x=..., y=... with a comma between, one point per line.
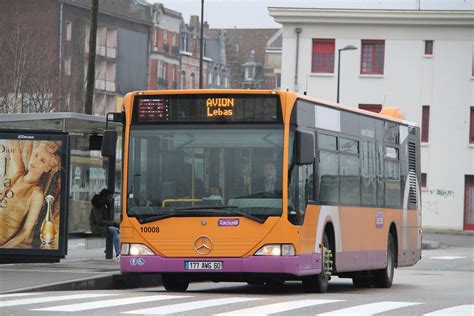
x=410, y=80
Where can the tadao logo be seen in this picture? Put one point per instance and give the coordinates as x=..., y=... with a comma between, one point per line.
x=228, y=222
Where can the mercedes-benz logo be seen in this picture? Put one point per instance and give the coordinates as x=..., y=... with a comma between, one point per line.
x=203, y=245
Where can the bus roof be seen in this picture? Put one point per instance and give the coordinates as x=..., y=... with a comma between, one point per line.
x=279, y=92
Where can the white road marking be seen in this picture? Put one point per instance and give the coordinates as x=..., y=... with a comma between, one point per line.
x=370, y=309
x=461, y=310
x=108, y=303
x=18, y=295
x=186, y=307
x=278, y=307
x=447, y=257
x=38, y=300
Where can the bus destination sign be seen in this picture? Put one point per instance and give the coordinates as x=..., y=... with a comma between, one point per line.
x=207, y=108
x=219, y=106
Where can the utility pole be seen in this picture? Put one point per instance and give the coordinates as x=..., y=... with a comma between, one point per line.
x=201, y=57
x=88, y=100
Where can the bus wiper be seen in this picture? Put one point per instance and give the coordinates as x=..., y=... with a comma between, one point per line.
x=201, y=207
x=232, y=209
x=144, y=220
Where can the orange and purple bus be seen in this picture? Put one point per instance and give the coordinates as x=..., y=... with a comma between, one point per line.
x=264, y=186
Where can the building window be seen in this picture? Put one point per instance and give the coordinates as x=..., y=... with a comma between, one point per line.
x=425, y=123
x=160, y=69
x=155, y=39
x=423, y=180
x=429, y=48
x=192, y=81
x=182, y=80
x=471, y=126
x=184, y=42
x=210, y=79
x=323, y=56
x=472, y=63
x=68, y=30
x=67, y=66
x=376, y=108
x=372, y=59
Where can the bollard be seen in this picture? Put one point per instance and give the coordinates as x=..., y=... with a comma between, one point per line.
x=109, y=247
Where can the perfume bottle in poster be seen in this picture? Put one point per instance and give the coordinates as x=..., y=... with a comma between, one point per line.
x=48, y=230
x=29, y=193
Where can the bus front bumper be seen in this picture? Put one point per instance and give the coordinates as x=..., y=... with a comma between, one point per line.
x=294, y=265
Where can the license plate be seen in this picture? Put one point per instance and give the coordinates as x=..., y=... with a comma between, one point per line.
x=203, y=265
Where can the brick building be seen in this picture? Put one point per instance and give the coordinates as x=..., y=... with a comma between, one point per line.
x=239, y=44
x=164, y=48
x=190, y=51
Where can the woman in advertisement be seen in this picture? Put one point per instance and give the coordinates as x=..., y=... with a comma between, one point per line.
x=25, y=187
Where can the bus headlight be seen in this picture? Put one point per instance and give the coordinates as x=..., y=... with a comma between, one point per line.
x=276, y=250
x=136, y=250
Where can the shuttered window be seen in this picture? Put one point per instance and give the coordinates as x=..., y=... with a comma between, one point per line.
x=425, y=123
x=323, y=56
x=429, y=48
x=372, y=59
x=471, y=126
x=376, y=108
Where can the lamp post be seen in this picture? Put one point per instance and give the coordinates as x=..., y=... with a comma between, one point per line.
x=201, y=57
x=348, y=47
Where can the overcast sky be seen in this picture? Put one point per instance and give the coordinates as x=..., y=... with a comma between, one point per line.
x=254, y=13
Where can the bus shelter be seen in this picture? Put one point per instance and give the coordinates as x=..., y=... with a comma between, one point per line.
x=88, y=171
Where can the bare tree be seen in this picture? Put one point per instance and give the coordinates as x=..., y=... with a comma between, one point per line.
x=28, y=80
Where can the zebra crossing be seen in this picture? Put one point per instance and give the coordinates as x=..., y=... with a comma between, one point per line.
x=170, y=304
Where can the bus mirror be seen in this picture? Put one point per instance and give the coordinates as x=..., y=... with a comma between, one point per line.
x=109, y=143
x=117, y=117
x=304, y=148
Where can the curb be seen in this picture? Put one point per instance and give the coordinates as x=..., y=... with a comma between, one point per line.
x=88, y=283
x=448, y=232
x=107, y=282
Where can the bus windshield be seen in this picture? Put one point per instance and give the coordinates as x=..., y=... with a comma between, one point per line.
x=205, y=171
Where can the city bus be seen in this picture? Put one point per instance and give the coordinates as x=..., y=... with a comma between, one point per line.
x=263, y=187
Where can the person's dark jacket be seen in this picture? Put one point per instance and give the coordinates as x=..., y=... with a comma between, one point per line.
x=99, y=217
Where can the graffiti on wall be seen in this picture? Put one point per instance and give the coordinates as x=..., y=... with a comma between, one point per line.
x=430, y=202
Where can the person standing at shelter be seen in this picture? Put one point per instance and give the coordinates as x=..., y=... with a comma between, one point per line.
x=101, y=217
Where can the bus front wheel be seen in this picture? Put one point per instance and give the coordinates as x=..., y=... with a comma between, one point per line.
x=383, y=278
x=318, y=283
x=174, y=283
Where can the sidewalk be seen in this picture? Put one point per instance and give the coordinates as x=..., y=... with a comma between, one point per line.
x=81, y=269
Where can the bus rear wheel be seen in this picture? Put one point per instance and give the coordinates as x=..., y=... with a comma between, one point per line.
x=318, y=283
x=383, y=278
x=174, y=283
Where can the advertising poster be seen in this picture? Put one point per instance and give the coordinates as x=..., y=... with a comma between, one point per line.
x=32, y=192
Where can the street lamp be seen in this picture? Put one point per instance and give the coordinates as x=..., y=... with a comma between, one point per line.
x=348, y=47
x=201, y=57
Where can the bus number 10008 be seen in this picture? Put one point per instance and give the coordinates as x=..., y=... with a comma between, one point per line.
x=153, y=229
